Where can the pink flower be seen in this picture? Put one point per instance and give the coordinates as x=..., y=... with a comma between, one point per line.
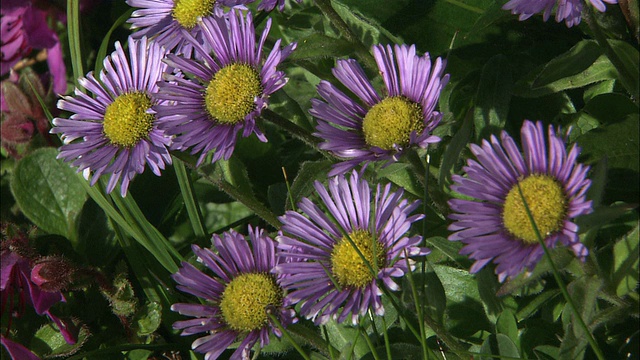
x=23, y=27
x=17, y=289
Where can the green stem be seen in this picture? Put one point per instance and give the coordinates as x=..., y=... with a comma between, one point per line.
x=372, y=348
x=387, y=345
x=191, y=204
x=361, y=52
x=419, y=311
x=326, y=337
x=286, y=334
x=247, y=200
x=73, y=29
x=556, y=275
x=625, y=76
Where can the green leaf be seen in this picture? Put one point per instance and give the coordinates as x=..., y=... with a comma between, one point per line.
x=619, y=143
x=317, y=46
x=578, y=59
x=138, y=354
x=449, y=248
x=453, y=150
x=433, y=295
x=147, y=319
x=48, y=192
x=625, y=268
x=500, y=345
x=404, y=176
x=487, y=288
x=546, y=352
x=507, y=325
x=584, y=292
x=344, y=337
x=628, y=55
x=493, y=97
x=366, y=28
x=310, y=171
x=582, y=65
x=49, y=342
x=235, y=173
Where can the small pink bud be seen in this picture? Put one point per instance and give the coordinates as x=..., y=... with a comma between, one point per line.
x=52, y=273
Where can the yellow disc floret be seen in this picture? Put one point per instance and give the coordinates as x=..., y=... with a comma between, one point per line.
x=391, y=121
x=187, y=12
x=126, y=120
x=348, y=267
x=546, y=201
x=230, y=95
x=246, y=298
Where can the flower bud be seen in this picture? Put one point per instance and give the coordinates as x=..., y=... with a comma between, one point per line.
x=52, y=273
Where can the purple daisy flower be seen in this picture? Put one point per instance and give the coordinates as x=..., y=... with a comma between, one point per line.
x=225, y=90
x=380, y=127
x=495, y=226
x=568, y=11
x=165, y=20
x=115, y=131
x=239, y=296
x=325, y=273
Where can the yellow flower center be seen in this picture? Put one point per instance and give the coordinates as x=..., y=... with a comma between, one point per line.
x=245, y=299
x=187, y=12
x=546, y=201
x=348, y=267
x=126, y=120
x=230, y=95
x=391, y=121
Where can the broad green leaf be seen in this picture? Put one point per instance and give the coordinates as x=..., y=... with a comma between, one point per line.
x=96, y=240
x=138, y=354
x=578, y=59
x=507, y=325
x=546, y=352
x=572, y=347
x=433, y=295
x=318, y=45
x=625, y=269
x=582, y=65
x=487, y=288
x=628, y=55
x=404, y=176
x=48, y=341
x=235, y=173
x=493, y=96
x=500, y=345
x=344, y=337
x=619, y=143
x=48, y=192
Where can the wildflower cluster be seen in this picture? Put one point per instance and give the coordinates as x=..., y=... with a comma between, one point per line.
x=411, y=199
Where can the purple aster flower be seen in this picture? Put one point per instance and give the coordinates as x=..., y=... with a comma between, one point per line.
x=240, y=294
x=17, y=288
x=23, y=27
x=327, y=272
x=380, y=127
x=225, y=91
x=495, y=226
x=165, y=20
x=114, y=132
x=568, y=11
